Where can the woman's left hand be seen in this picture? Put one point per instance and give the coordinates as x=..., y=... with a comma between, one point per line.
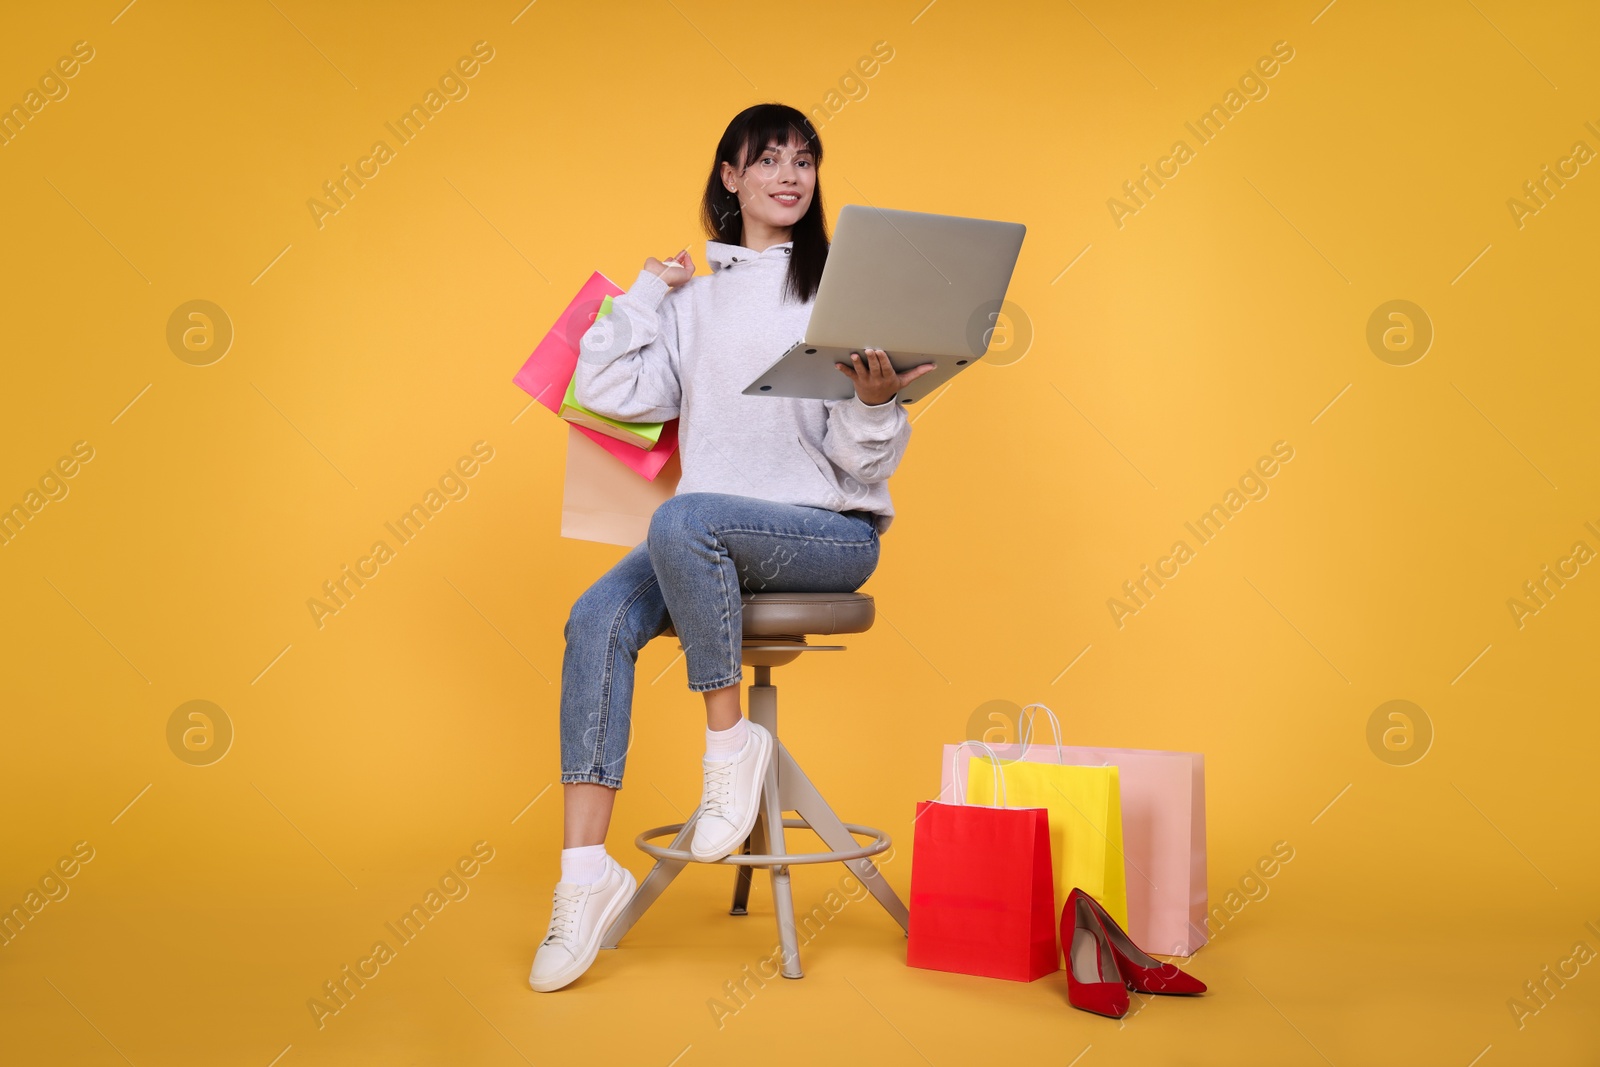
x=875, y=378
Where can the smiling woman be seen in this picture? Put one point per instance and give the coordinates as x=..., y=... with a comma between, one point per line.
x=778, y=494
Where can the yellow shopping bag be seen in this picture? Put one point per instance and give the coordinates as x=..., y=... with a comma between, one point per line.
x=1085, y=805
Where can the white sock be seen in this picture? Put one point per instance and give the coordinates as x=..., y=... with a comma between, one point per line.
x=583, y=865
x=726, y=744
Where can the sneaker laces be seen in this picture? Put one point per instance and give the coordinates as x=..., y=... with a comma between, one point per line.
x=718, y=789
x=564, y=917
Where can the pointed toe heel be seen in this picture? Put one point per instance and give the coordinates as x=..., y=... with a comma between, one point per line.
x=1142, y=972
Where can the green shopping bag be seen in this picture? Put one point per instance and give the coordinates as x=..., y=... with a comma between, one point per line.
x=1085, y=805
x=645, y=435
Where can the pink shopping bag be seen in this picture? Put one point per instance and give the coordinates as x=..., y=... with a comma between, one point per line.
x=548, y=370
x=1163, y=830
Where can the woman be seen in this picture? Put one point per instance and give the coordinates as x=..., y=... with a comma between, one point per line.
x=777, y=493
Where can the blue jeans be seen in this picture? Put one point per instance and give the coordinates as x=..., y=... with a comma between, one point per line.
x=702, y=552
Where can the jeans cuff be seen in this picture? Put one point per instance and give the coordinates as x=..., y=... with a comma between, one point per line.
x=733, y=679
x=593, y=777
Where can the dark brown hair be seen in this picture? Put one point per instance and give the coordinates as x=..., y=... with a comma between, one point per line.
x=750, y=132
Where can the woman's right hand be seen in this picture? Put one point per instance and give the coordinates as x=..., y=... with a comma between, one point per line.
x=675, y=271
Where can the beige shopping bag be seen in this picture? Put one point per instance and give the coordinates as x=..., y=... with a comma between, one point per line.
x=602, y=500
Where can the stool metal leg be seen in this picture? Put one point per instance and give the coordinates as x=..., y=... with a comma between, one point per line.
x=660, y=876
x=786, y=789
x=757, y=841
x=742, y=875
x=782, y=898
x=763, y=703
x=802, y=797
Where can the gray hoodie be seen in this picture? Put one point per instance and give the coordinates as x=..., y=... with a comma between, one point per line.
x=688, y=352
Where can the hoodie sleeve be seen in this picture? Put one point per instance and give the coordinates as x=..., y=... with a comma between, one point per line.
x=867, y=441
x=628, y=361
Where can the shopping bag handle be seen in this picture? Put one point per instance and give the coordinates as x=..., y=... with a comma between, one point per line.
x=1000, y=779
x=1027, y=734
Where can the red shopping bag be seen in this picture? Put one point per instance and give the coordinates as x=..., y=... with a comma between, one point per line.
x=1163, y=817
x=982, y=893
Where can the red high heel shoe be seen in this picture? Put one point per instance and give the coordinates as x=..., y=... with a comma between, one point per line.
x=1143, y=973
x=1094, y=982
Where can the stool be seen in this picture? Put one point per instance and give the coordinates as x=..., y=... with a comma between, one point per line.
x=779, y=623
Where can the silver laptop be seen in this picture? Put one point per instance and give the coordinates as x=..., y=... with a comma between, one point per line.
x=924, y=288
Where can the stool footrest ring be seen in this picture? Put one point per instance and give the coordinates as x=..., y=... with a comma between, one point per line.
x=880, y=843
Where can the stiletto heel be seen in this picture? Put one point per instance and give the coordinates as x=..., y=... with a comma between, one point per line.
x=1142, y=972
x=1090, y=961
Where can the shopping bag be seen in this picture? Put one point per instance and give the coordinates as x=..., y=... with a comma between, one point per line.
x=549, y=369
x=1163, y=830
x=1085, y=824
x=981, y=896
x=602, y=500
x=638, y=434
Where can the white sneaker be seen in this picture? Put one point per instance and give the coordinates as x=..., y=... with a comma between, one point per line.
x=731, y=799
x=579, y=918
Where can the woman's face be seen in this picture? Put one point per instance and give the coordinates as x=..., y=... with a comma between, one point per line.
x=775, y=188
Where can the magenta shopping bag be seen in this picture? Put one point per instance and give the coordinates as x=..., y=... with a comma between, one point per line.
x=1163, y=830
x=554, y=360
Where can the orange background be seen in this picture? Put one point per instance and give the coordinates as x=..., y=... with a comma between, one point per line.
x=370, y=353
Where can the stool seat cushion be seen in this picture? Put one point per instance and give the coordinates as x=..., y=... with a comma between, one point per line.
x=798, y=614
